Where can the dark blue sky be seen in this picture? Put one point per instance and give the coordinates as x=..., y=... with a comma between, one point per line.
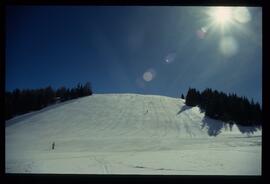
x=148, y=50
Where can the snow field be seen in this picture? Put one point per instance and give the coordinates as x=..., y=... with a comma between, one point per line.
x=129, y=134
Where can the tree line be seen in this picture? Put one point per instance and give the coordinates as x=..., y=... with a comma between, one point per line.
x=228, y=108
x=19, y=101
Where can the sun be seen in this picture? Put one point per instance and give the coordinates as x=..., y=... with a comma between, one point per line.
x=225, y=19
x=221, y=16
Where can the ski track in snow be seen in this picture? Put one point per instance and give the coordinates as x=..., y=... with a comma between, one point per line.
x=104, y=165
x=127, y=134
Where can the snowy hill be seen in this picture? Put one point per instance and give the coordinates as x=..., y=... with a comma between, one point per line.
x=129, y=134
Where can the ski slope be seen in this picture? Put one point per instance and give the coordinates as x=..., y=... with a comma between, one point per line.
x=129, y=134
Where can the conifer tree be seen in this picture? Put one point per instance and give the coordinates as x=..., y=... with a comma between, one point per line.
x=182, y=96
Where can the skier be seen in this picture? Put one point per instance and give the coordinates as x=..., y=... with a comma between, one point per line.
x=53, y=144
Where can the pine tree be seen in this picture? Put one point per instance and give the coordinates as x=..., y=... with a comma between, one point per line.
x=22, y=101
x=87, y=89
x=190, y=97
x=182, y=96
x=229, y=108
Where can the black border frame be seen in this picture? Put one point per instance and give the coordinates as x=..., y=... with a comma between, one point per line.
x=94, y=178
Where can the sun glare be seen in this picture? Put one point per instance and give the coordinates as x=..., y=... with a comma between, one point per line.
x=221, y=15
x=224, y=18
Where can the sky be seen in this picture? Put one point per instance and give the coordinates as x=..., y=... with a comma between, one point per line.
x=134, y=49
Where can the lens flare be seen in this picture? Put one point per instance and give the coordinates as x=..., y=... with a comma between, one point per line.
x=201, y=33
x=149, y=75
x=170, y=57
x=241, y=15
x=228, y=46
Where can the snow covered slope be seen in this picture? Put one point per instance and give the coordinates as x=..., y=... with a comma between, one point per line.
x=129, y=134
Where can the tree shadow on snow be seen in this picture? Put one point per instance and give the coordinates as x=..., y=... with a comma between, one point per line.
x=213, y=126
x=249, y=130
x=184, y=108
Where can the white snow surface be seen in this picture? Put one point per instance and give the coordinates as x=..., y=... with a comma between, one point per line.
x=129, y=134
